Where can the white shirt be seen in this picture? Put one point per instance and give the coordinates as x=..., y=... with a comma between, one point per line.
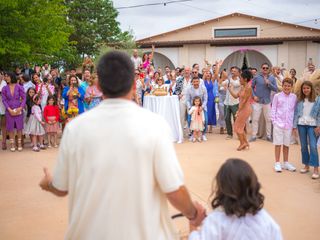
x=306, y=119
x=2, y=107
x=219, y=226
x=230, y=100
x=117, y=167
x=136, y=61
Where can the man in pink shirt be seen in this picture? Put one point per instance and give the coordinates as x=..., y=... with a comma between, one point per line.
x=282, y=113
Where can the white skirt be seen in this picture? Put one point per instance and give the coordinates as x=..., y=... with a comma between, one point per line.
x=34, y=127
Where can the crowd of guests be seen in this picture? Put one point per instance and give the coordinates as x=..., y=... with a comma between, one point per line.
x=38, y=102
x=233, y=99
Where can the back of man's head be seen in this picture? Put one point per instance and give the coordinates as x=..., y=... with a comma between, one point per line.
x=116, y=74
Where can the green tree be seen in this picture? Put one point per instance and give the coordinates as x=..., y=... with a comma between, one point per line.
x=34, y=31
x=95, y=26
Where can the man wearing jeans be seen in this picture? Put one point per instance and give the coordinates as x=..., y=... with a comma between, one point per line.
x=262, y=85
x=231, y=104
x=198, y=90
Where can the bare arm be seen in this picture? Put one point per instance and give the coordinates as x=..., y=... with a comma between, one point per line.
x=46, y=184
x=181, y=200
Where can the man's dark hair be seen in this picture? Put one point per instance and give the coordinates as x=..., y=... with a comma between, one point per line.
x=265, y=63
x=25, y=78
x=235, y=67
x=195, y=78
x=195, y=64
x=116, y=74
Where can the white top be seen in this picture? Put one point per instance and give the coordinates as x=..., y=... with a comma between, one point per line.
x=230, y=100
x=219, y=226
x=186, y=85
x=2, y=107
x=117, y=173
x=136, y=61
x=306, y=119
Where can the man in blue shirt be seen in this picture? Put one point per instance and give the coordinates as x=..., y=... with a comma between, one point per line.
x=262, y=85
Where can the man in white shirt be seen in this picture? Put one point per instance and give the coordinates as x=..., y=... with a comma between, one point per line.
x=136, y=59
x=231, y=104
x=182, y=84
x=119, y=173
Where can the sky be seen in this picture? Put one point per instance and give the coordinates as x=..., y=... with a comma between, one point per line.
x=151, y=20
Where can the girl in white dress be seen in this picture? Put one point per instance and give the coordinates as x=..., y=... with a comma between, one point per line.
x=35, y=125
x=238, y=207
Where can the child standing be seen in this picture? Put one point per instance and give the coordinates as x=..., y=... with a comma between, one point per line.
x=197, y=119
x=282, y=113
x=307, y=120
x=35, y=125
x=51, y=115
x=238, y=207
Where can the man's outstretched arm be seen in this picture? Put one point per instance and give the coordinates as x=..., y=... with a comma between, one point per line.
x=46, y=184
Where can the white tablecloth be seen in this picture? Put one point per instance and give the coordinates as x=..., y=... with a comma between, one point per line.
x=168, y=107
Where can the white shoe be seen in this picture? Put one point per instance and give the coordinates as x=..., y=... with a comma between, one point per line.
x=288, y=166
x=277, y=167
x=204, y=138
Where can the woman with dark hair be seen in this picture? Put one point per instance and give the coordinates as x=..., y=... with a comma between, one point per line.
x=238, y=207
x=307, y=122
x=73, y=98
x=244, y=110
x=14, y=100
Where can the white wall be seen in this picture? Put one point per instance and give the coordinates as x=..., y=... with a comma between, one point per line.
x=270, y=51
x=171, y=53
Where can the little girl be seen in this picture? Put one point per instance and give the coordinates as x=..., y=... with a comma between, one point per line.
x=51, y=115
x=238, y=207
x=307, y=120
x=197, y=119
x=35, y=125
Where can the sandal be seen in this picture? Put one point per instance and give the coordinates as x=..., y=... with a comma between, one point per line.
x=20, y=145
x=12, y=145
x=304, y=170
x=315, y=176
x=4, y=146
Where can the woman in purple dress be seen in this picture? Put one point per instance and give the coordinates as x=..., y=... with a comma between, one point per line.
x=14, y=100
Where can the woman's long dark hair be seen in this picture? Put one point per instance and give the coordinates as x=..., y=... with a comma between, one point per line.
x=237, y=189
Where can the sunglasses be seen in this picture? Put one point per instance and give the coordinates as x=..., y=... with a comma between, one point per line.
x=195, y=72
x=265, y=68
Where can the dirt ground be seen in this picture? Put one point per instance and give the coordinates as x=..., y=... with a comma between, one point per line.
x=293, y=199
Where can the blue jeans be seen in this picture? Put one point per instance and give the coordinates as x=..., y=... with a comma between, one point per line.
x=205, y=121
x=307, y=135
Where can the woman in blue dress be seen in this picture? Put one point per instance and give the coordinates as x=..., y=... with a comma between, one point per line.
x=211, y=105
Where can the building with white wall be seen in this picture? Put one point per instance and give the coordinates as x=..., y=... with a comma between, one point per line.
x=238, y=39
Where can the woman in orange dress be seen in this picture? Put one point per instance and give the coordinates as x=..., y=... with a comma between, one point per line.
x=244, y=110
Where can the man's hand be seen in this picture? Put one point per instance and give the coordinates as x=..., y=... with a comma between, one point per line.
x=201, y=214
x=317, y=131
x=256, y=99
x=46, y=180
x=46, y=184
